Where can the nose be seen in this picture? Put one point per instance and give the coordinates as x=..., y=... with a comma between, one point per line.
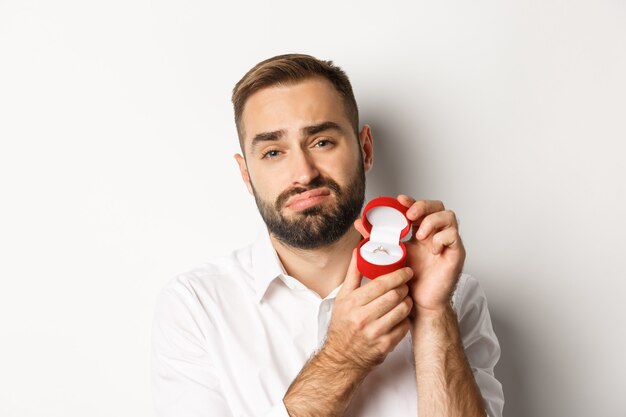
x=303, y=169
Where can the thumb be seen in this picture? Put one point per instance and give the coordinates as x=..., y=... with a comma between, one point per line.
x=353, y=277
x=358, y=225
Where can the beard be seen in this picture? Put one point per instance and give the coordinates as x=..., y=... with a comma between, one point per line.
x=316, y=226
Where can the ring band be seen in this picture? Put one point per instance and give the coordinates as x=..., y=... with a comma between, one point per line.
x=380, y=248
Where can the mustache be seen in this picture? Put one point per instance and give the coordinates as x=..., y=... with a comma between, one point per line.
x=317, y=182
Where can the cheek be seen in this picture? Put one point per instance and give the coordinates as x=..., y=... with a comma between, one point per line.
x=343, y=170
x=268, y=185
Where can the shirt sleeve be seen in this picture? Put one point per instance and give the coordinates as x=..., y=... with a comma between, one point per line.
x=185, y=381
x=480, y=342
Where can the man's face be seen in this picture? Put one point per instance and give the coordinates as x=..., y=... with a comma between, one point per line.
x=304, y=163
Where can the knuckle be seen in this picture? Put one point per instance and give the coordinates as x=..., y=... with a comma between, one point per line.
x=358, y=322
x=372, y=334
x=398, y=293
x=349, y=302
x=402, y=291
x=378, y=285
x=385, y=344
x=344, y=303
x=408, y=301
x=419, y=206
x=397, y=278
x=406, y=307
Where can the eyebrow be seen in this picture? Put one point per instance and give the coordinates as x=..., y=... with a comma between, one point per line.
x=306, y=131
x=266, y=137
x=321, y=127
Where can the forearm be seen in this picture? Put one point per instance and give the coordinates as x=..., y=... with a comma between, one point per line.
x=446, y=385
x=323, y=387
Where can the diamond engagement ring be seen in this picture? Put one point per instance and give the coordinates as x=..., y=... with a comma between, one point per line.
x=380, y=248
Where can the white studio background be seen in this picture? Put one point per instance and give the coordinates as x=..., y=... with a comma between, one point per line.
x=116, y=173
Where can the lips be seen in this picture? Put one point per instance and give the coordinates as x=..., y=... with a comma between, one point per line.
x=307, y=198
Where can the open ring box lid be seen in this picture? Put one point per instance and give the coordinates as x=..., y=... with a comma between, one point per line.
x=383, y=252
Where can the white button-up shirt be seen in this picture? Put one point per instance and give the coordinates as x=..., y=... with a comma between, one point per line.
x=231, y=335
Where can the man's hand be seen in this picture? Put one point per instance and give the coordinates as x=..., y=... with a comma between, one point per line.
x=435, y=252
x=369, y=321
x=366, y=324
x=445, y=384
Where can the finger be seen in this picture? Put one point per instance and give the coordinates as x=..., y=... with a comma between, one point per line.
x=401, y=329
x=448, y=238
x=353, y=277
x=386, y=303
x=423, y=208
x=394, y=317
x=358, y=224
x=382, y=284
x=399, y=332
x=435, y=222
x=405, y=200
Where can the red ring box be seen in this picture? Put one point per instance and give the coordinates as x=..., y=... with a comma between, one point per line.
x=383, y=252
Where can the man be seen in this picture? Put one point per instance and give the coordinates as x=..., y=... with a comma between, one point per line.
x=288, y=326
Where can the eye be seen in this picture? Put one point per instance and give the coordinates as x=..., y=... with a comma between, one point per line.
x=322, y=143
x=272, y=153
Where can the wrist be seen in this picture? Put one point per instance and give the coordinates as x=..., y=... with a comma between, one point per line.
x=433, y=320
x=335, y=361
x=434, y=312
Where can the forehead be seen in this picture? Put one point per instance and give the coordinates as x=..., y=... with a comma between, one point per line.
x=290, y=107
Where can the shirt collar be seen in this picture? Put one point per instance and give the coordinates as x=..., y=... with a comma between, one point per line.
x=266, y=265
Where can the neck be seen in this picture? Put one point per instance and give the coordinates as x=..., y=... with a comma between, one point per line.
x=323, y=269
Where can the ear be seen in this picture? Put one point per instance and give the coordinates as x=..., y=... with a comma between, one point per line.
x=367, y=147
x=243, y=169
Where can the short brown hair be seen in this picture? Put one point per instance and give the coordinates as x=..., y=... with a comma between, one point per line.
x=290, y=69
